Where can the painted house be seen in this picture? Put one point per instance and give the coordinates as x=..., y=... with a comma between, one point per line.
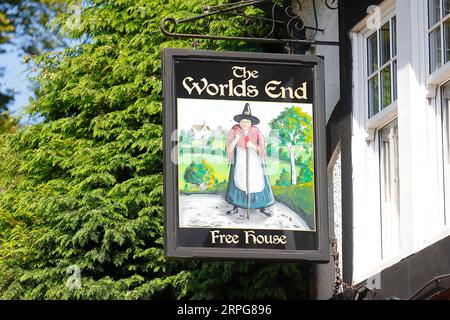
x=200, y=132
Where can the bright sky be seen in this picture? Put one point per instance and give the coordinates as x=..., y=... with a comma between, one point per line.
x=15, y=78
x=16, y=75
x=221, y=112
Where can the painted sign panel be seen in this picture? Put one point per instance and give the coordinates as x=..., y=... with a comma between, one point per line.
x=244, y=159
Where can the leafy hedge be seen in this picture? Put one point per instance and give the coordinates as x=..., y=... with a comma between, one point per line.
x=84, y=188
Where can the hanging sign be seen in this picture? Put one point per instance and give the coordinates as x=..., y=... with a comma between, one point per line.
x=244, y=156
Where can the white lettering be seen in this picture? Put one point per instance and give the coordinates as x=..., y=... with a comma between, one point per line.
x=223, y=238
x=274, y=90
x=243, y=73
x=188, y=310
x=195, y=85
x=250, y=237
x=210, y=89
x=271, y=86
x=243, y=90
x=252, y=91
x=289, y=90
x=222, y=89
x=301, y=92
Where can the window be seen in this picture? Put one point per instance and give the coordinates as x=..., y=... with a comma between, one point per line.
x=390, y=189
x=446, y=145
x=375, y=145
x=438, y=33
x=382, y=67
x=401, y=168
x=382, y=92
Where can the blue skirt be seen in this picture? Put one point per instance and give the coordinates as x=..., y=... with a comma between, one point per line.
x=238, y=198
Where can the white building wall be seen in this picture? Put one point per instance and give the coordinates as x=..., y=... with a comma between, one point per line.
x=329, y=21
x=420, y=155
x=420, y=158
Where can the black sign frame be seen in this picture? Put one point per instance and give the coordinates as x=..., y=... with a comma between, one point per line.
x=319, y=252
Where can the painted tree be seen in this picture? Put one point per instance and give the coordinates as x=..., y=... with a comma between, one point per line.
x=285, y=179
x=294, y=129
x=200, y=174
x=84, y=188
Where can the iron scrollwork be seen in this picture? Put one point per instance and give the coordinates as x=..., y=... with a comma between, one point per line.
x=294, y=24
x=332, y=4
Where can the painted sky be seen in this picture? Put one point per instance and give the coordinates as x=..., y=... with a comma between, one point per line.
x=221, y=112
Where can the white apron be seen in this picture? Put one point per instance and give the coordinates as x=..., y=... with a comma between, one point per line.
x=256, y=173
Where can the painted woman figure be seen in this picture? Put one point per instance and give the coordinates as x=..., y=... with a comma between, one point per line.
x=241, y=137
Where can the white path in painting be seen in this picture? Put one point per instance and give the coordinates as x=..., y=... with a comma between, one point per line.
x=208, y=211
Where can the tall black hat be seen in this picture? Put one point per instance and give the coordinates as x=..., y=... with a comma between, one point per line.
x=247, y=114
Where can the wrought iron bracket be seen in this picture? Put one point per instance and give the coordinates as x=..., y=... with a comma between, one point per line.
x=235, y=9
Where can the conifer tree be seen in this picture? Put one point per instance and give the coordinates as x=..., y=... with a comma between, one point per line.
x=81, y=214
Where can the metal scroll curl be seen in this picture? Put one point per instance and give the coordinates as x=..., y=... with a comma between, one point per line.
x=332, y=4
x=169, y=25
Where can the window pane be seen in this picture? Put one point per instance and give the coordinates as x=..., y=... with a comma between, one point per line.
x=435, y=50
x=385, y=39
x=386, y=97
x=447, y=40
x=446, y=9
x=446, y=120
x=446, y=145
x=394, y=36
x=434, y=12
x=446, y=115
x=394, y=77
x=447, y=134
x=390, y=188
x=374, y=100
x=372, y=53
x=389, y=163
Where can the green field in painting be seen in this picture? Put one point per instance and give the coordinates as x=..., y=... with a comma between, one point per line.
x=221, y=169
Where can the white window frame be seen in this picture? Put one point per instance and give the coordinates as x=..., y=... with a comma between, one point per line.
x=430, y=29
x=369, y=249
x=444, y=116
x=389, y=199
x=446, y=158
x=390, y=63
x=435, y=82
x=419, y=113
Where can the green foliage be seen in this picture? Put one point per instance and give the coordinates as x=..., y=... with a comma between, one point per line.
x=294, y=129
x=22, y=25
x=249, y=280
x=299, y=198
x=306, y=163
x=27, y=23
x=285, y=178
x=7, y=123
x=201, y=174
x=85, y=187
x=5, y=27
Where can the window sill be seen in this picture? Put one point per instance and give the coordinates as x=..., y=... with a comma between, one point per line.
x=380, y=119
x=439, y=76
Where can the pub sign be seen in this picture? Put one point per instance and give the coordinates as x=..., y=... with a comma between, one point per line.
x=244, y=156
